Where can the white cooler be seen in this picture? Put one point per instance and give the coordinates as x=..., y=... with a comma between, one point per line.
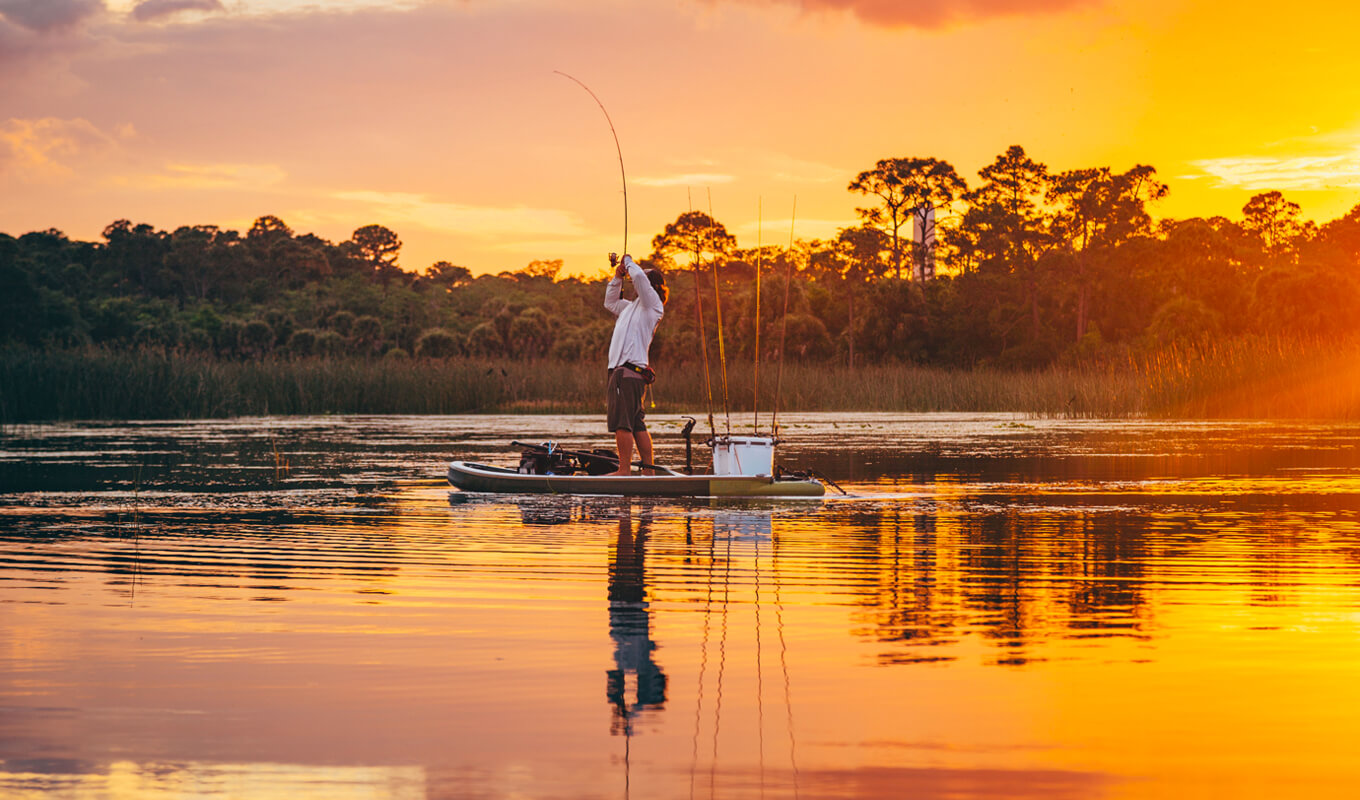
x=743, y=455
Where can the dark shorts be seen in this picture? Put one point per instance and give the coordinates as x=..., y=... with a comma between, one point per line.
x=624, y=392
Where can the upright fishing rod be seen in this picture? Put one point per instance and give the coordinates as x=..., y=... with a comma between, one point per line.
x=622, y=175
x=703, y=333
x=717, y=305
x=784, y=327
x=755, y=370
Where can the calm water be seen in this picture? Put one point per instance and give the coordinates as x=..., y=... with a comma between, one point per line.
x=1002, y=607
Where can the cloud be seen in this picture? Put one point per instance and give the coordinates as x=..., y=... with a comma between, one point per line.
x=151, y=10
x=796, y=170
x=930, y=14
x=47, y=15
x=207, y=176
x=43, y=149
x=478, y=221
x=1298, y=173
x=688, y=179
x=775, y=231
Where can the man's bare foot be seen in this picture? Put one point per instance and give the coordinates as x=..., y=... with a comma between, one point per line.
x=620, y=473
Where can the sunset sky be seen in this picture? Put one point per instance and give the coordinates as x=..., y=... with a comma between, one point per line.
x=443, y=120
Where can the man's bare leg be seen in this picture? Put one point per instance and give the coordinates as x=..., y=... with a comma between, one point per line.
x=623, y=442
x=644, y=448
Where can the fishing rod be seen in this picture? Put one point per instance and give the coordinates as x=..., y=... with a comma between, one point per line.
x=703, y=333
x=622, y=175
x=717, y=304
x=755, y=370
x=784, y=327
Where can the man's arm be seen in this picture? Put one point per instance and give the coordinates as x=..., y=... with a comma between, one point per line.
x=612, y=292
x=646, y=294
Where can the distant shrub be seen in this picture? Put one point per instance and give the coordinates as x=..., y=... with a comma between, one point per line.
x=367, y=332
x=302, y=342
x=438, y=343
x=257, y=338
x=342, y=322
x=485, y=340
x=531, y=333
x=397, y=354
x=579, y=344
x=281, y=322
x=1183, y=319
x=197, y=340
x=330, y=343
x=228, y=338
x=807, y=337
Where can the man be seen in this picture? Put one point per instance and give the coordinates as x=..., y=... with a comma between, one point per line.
x=629, y=369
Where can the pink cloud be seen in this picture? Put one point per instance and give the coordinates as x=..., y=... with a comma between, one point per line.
x=931, y=14
x=150, y=10
x=44, y=149
x=47, y=15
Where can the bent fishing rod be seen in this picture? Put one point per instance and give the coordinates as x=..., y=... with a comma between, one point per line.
x=617, y=148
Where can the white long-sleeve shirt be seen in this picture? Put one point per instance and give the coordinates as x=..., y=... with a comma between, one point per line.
x=637, y=319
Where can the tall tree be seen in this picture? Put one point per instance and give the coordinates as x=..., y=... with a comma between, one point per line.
x=134, y=252
x=205, y=261
x=1004, y=228
x=1276, y=223
x=695, y=235
x=379, y=246
x=269, y=227
x=448, y=275
x=906, y=187
x=1094, y=211
x=864, y=248
x=542, y=269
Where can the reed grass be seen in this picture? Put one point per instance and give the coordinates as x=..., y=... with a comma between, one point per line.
x=1240, y=379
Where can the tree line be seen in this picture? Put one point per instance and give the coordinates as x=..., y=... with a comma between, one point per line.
x=1021, y=268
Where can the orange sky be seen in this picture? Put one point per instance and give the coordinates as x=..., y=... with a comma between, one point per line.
x=443, y=120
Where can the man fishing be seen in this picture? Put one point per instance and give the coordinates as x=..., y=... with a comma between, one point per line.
x=629, y=370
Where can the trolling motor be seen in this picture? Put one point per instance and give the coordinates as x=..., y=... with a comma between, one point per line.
x=688, y=433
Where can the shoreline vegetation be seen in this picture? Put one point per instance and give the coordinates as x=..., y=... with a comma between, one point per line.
x=1039, y=292
x=1243, y=379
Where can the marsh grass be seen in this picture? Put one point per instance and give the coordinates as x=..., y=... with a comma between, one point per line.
x=1254, y=379
x=1240, y=379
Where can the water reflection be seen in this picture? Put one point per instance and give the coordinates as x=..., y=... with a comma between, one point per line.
x=1015, y=580
x=1001, y=608
x=630, y=628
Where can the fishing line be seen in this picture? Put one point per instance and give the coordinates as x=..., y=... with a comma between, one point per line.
x=622, y=174
x=784, y=327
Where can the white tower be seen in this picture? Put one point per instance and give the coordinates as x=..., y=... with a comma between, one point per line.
x=923, y=243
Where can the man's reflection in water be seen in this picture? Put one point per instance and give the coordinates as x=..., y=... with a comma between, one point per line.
x=630, y=628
